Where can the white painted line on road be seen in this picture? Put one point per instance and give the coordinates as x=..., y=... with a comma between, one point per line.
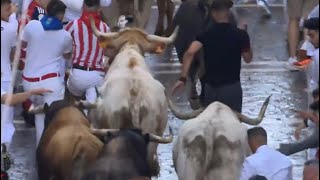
x=266, y=70
x=255, y=5
x=19, y=122
x=262, y=70
x=273, y=63
x=238, y=6
x=177, y=64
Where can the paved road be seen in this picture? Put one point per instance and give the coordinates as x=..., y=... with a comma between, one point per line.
x=265, y=76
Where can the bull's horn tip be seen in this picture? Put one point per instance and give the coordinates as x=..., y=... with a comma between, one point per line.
x=268, y=99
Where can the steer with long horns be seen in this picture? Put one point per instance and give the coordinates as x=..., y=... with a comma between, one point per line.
x=130, y=96
x=67, y=135
x=214, y=144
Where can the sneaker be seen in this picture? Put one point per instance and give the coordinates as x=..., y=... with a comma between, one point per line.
x=265, y=5
x=291, y=64
x=6, y=160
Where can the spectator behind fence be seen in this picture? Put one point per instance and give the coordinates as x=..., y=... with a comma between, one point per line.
x=297, y=9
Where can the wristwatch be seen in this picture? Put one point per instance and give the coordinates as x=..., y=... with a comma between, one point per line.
x=183, y=79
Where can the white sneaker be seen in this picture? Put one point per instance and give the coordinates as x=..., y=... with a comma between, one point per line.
x=265, y=5
x=290, y=64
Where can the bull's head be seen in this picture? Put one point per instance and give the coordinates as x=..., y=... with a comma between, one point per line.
x=133, y=36
x=149, y=136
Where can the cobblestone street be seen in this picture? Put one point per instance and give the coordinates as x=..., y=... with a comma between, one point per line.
x=266, y=76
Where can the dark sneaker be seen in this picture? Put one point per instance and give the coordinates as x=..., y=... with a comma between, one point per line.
x=6, y=161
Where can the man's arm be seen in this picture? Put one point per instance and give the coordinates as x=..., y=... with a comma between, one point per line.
x=186, y=63
x=246, y=50
x=189, y=56
x=14, y=99
x=247, y=56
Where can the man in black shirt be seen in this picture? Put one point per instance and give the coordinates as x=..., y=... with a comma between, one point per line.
x=224, y=45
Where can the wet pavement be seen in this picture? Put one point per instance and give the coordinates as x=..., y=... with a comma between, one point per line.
x=265, y=76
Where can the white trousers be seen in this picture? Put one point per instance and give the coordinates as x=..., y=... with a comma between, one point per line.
x=7, y=128
x=57, y=94
x=84, y=83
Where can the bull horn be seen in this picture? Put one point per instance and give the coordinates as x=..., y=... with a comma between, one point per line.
x=98, y=33
x=258, y=120
x=86, y=105
x=36, y=109
x=180, y=115
x=102, y=132
x=162, y=140
x=166, y=40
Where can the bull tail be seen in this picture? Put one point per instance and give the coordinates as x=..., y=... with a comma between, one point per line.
x=179, y=114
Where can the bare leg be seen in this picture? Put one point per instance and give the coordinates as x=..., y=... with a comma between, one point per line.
x=293, y=36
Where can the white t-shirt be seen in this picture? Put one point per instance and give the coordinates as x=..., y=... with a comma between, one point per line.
x=45, y=49
x=8, y=41
x=74, y=8
x=269, y=163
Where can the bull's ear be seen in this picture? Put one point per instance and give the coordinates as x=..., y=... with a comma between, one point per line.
x=45, y=108
x=104, y=42
x=157, y=48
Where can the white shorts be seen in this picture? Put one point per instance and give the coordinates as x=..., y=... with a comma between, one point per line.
x=54, y=84
x=80, y=82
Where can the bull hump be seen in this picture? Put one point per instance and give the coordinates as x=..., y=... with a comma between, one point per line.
x=132, y=63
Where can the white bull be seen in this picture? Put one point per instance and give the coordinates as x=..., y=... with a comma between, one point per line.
x=131, y=97
x=214, y=144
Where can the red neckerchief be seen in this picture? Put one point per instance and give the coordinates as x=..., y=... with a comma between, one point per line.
x=95, y=15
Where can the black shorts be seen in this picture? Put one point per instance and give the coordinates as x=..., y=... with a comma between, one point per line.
x=230, y=95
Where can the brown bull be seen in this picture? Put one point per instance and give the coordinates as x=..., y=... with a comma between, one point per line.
x=66, y=137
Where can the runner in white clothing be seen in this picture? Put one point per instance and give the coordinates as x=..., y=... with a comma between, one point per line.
x=88, y=70
x=46, y=42
x=265, y=161
x=9, y=27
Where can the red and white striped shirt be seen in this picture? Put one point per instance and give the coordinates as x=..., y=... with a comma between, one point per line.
x=87, y=52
